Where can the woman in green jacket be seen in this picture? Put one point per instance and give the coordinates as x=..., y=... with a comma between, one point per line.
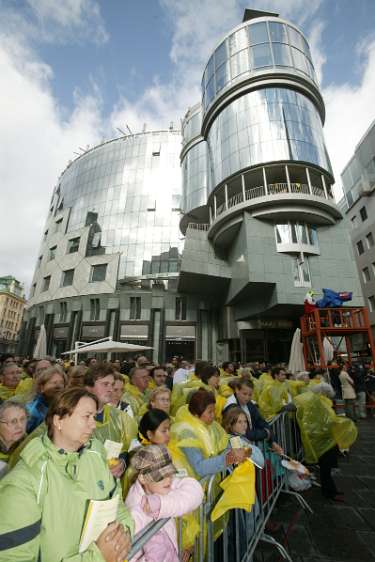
x=44, y=499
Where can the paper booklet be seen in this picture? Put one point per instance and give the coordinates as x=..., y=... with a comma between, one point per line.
x=99, y=514
x=112, y=448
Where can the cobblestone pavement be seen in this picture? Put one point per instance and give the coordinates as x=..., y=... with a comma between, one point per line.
x=336, y=532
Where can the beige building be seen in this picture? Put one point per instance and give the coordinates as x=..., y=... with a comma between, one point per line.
x=12, y=303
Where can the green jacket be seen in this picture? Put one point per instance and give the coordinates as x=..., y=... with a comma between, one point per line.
x=116, y=426
x=44, y=500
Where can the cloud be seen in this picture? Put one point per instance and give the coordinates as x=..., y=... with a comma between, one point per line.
x=37, y=140
x=317, y=52
x=350, y=111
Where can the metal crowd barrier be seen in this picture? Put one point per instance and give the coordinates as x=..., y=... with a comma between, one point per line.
x=242, y=531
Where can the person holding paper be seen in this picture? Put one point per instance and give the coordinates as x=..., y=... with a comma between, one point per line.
x=45, y=500
x=111, y=424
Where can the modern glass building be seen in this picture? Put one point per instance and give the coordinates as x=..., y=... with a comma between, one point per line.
x=252, y=198
x=260, y=220
x=358, y=181
x=111, y=250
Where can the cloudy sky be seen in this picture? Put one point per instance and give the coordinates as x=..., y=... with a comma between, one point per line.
x=71, y=71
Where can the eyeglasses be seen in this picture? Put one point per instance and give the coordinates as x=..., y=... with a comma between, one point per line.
x=15, y=421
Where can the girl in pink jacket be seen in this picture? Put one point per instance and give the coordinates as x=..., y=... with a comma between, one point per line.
x=157, y=494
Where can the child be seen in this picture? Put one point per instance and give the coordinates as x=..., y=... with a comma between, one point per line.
x=235, y=424
x=154, y=427
x=157, y=494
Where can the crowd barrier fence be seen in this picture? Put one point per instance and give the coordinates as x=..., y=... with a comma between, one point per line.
x=242, y=531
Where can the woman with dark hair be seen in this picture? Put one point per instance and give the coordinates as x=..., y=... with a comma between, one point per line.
x=198, y=443
x=44, y=498
x=154, y=428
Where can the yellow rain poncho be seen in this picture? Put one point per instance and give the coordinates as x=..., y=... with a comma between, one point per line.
x=190, y=431
x=296, y=387
x=182, y=393
x=239, y=490
x=321, y=429
x=273, y=397
x=116, y=426
x=133, y=396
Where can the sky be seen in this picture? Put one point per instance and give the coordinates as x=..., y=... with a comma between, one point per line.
x=73, y=71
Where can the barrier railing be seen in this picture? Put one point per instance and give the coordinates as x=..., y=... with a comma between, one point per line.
x=243, y=531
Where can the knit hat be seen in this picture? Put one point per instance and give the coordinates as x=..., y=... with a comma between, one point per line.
x=153, y=462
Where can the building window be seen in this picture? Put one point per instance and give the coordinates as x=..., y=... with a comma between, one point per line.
x=363, y=213
x=180, y=311
x=73, y=245
x=371, y=302
x=301, y=272
x=373, y=268
x=135, y=308
x=46, y=283
x=94, y=309
x=369, y=240
x=360, y=248
x=33, y=289
x=63, y=311
x=39, y=261
x=353, y=221
x=296, y=233
x=366, y=274
x=58, y=225
x=67, y=278
x=45, y=234
x=98, y=272
x=52, y=253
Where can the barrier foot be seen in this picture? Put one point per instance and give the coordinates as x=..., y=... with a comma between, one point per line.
x=268, y=539
x=303, y=503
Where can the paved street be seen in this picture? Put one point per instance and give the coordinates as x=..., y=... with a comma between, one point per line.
x=335, y=532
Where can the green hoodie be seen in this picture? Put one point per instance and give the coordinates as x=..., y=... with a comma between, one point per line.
x=44, y=500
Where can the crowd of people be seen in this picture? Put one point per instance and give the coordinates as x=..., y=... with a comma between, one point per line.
x=149, y=434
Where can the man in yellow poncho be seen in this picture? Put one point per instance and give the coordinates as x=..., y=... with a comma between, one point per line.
x=276, y=395
x=136, y=393
x=322, y=432
x=111, y=424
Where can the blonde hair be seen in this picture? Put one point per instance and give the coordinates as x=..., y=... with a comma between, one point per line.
x=47, y=374
x=156, y=392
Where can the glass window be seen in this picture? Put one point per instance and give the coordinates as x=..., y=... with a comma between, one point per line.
x=33, y=288
x=67, y=278
x=222, y=76
x=313, y=236
x=258, y=33
x=58, y=225
x=94, y=309
x=301, y=272
x=360, y=248
x=302, y=235
x=366, y=274
x=294, y=233
x=299, y=60
x=281, y=54
x=282, y=234
x=63, y=311
x=295, y=38
x=363, y=213
x=46, y=283
x=354, y=221
x=39, y=261
x=98, y=272
x=278, y=32
x=180, y=310
x=261, y=56
x=239, y=63
x=373, y=268
x=369, y=240
x=52, y=253
x=371, y=302
x=238, y=41
x=221, y=54
x=73, y=245
x=135, y=308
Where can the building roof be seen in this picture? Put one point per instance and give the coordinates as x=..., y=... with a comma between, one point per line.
x=252, y=14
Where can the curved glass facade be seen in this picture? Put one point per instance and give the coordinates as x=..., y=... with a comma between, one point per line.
x=192, y=123
x=254, y=48
x=273, y=124
x=194, y=173
x=131, y=189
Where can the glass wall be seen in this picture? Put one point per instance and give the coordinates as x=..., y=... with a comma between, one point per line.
x=264, y=126
x=131, y=189
x=194, y=174
x=256, y=46
x=192, y=123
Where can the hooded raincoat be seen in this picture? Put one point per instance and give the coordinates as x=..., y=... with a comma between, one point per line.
x=44, y=501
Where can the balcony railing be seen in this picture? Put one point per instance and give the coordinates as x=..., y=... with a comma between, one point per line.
x=272, y=189
x=198, y=226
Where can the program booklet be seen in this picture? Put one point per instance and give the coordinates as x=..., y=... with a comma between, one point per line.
x=100, y=513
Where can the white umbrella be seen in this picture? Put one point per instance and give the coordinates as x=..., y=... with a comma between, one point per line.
x=328, y=349
x=107, y=347
x=40, y=350
x=296, y=359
